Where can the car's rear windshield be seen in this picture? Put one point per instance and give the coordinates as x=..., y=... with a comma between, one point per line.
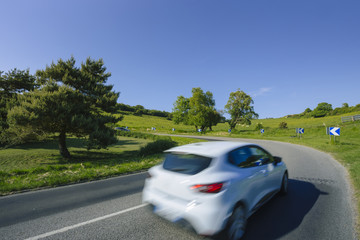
x=185, y=163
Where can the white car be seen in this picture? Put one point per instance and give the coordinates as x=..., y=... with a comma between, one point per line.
x=214, y=186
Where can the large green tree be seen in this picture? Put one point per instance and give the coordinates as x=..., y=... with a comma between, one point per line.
x=240, y=108
x=198, y=110
x=70, y=100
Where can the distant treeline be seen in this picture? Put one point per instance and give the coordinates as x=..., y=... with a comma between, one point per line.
x=325, y=109
x=139, y=110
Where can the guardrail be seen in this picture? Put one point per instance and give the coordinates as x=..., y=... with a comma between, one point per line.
x=350, y=118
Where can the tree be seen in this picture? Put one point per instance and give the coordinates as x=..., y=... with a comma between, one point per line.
x=12, y=83
x=202, y=107
x=181, y=110
x=214, y=118
x=322, y=110
x=198, y=110
x=139, y=110
x=70, y=100
x=308, y=110
x=240, y=109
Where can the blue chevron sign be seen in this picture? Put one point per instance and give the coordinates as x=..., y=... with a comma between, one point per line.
x=300, y=130
x=334, y=131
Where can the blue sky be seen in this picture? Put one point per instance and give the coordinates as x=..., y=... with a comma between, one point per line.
x=288, y=55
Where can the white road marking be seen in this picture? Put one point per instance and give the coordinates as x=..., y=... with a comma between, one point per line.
x=65, y=229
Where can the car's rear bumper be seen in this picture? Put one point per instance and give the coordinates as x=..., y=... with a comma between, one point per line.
x=204, y=216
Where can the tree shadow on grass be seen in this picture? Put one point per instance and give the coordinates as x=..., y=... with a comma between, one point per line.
x=79, y=153
x=101, y=158
x=70, y=142
x=348, y=144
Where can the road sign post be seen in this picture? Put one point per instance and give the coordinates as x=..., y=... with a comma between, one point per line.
x=299, y=131
x=334, y=131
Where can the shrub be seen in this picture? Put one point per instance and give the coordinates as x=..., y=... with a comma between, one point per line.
x=283, y=125
x=135, y=134
x=157, y=147
x=259, y=126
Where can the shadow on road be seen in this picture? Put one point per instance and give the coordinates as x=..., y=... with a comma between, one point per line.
x=283, y=214
x=280, y=216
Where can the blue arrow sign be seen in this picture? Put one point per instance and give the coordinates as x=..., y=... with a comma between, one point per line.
x=335, y=131
x=262, y=130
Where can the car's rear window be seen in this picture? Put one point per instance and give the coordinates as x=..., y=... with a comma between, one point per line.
x=185, y=163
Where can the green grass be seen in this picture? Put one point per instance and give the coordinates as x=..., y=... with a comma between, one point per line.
x=38, y=165
x=145, y=123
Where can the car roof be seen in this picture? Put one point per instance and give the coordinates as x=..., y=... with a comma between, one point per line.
x=209, y=149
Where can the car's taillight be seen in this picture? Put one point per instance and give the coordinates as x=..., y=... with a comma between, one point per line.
x=208, y=188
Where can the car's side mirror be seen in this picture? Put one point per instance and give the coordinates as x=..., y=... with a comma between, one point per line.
x=277, y=160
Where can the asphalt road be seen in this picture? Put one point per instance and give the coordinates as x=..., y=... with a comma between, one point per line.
x=318, y=206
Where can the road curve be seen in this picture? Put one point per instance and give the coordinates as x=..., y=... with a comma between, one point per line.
x=318, y=206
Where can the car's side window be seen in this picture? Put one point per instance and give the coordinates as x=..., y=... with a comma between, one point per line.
x=241, y=157
x=260, y=157
x=252, y=156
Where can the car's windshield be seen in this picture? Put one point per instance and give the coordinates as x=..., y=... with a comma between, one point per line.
x=185, y=163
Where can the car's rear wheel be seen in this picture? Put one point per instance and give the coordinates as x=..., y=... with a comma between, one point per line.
x=284, y=184
x=237, y=223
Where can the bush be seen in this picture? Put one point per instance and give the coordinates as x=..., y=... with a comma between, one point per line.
x=157, y=147
x=283, y=125
x=140, y=135
x=18, y=135
x=160, y=144
x=136, y=134
x=259, y=126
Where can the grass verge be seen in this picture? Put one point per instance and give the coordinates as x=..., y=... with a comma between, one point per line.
x=37, y=165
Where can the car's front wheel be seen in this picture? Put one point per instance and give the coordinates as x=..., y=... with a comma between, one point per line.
x=237, y=223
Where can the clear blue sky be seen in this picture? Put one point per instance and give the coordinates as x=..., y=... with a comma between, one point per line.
x=287, y=54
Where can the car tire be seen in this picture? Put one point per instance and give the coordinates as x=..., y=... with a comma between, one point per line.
x=284, y=184
x=237, y=223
